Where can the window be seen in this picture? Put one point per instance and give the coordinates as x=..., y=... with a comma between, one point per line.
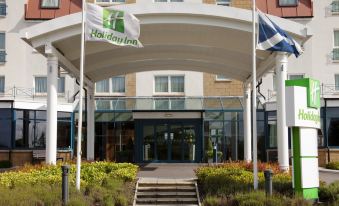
x=3, y=7
x=169, y=84
x=2, y=84
x=102, y=86
x=49, y=4
x=110, y=1
x=336, y=80
x=295, y=76
x=336, y=45
x=220, y=77
x=40, y=85
x=223, y=2
x=118, y=84
x=2, y=47
x=168, y=0
x=335, y=6
x=288, y=2
x=114, y=85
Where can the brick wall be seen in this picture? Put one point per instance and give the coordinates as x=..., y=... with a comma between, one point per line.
x=221, y=88
x=244, y=4
x=130, y=85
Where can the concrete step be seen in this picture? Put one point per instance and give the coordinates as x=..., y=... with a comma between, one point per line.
x=168, y=188
x=168, y=204
x=176, y=193
x=152, y=201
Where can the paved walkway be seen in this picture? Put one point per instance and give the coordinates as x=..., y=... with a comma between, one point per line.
x=168, y=170
x=328, y=175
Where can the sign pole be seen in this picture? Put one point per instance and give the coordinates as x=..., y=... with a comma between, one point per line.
x=254, y=98
x=78, y=165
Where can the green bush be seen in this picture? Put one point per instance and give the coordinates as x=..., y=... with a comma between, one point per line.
x=333, y=165
x=94, y=172
x=258, y=198
x=233, y=178
x=329, y=193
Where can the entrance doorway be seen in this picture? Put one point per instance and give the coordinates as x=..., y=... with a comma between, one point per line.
x=169, y=140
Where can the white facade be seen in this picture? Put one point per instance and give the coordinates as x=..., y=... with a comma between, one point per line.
x=316, y=62
x=23, y=63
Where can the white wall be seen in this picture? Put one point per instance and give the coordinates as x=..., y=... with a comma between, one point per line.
x=193, y=82
x=22, y=62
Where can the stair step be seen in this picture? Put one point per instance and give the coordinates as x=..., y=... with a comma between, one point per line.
x=168, y=200
x=166, y=193
x=164, y=185
x=182, y=188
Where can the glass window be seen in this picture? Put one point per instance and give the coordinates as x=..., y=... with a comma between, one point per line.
x=220, y=77
x=118, y=84
x=40, y=84
x=2, y=47
x=2, y=84
x=335, y=6
x=168, y=0
x=288, y=2
x=295, y=76
x=3, y=7
x=102, y=86
x=177, y=84
x=333, y=131
x=161, y=84
x=61, y=85
x=336, y=45
x=49, y=4
x=223, y=2
x=336, y=79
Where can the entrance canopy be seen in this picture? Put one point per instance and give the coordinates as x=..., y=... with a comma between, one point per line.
x=176, y=36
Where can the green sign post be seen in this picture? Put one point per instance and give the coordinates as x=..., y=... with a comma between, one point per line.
x=303, y=116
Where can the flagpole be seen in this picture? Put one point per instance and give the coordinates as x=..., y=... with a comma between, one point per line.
x=254, y=99
x=78, y=165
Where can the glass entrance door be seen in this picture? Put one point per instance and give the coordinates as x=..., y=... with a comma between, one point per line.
x=170, y=141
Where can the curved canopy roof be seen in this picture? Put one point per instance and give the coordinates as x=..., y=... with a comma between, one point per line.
x=176, y=36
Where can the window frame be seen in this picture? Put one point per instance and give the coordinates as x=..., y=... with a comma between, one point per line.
x=295, y=74
x=218, y=79
x=332, y=7
x=4, y=5
x=169, y=85
x=4, y=81
x=288, y=4
x=223, y=3
x=3, y=51
x=49, y=7
x=110, y=2
x=110, y=88
x=335, y=48
x=45, y=93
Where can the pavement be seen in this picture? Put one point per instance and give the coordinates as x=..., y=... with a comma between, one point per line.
x=168, y=170
x=328, y=176
x=186, y=171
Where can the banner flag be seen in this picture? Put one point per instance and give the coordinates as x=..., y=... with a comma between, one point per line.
x=108, y=24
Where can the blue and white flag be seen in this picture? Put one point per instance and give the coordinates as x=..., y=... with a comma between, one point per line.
x=273, y=38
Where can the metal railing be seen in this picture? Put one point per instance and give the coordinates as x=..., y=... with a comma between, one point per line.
x=2, y=56
x=29, y=93
x=335, y=54
x=329, y=89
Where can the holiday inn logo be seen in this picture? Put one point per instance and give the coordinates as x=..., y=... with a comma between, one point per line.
x=314, y=94
x=114, y=20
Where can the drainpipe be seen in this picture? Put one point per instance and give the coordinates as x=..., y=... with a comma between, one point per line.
x=325, y=132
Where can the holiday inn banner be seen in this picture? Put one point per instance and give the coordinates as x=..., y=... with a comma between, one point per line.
x=112, y=26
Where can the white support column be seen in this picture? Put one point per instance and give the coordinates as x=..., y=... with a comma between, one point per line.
x=247, y=123
x=90, y=124
x=282, y=130
x=52, y=112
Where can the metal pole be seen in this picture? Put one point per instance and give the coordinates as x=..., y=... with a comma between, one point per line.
x=268, y=182
x=82, y=59
x=65, y=190
x=254, y=98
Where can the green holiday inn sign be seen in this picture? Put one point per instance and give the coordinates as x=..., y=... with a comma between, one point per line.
x=303, y=116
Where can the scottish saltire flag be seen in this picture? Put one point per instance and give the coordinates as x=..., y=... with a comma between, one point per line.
x=111, y=25
x=271, y=37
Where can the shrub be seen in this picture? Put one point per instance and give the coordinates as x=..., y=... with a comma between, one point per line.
x=329, y=193
x=237, y=177
x=333, y=165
